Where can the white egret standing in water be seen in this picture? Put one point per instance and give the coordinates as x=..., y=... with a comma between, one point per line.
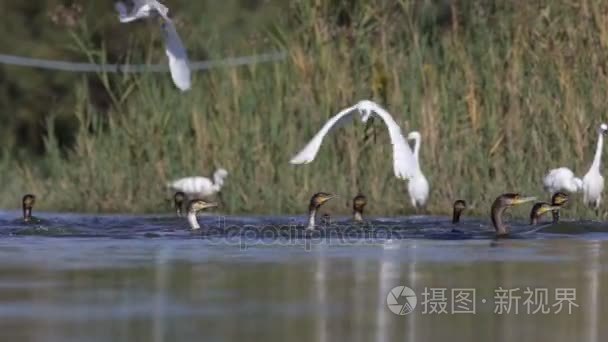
x=593, y=181
x=200, y=186
x=404, y=163
x=418, y=186
x=174, y=48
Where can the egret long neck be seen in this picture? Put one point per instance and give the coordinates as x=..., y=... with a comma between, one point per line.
x=218, y=180
x=416, y=147
x=416, y=153
x=598, y=154
x=192, y=220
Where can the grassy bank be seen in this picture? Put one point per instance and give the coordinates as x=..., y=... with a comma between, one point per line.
x=500, y=94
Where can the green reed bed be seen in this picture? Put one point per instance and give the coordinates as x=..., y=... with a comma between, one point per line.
x=499, y=93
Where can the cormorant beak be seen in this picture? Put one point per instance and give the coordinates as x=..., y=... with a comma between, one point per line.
x=325, y=199
x=561, y=201
x=522, y=200
x=210, y=205
x=543, y=210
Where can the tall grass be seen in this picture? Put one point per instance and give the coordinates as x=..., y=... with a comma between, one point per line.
x=500, y=94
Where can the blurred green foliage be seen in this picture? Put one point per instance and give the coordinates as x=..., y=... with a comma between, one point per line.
x=500, y=91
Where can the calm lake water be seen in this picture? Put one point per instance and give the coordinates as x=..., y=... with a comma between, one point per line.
x=148, y=278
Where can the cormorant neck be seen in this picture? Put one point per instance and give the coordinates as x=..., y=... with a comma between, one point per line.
x=456, y=216
x=192, y=220
x=178, y=208
x=311, y=218
x=533, y=219
x=27, y=213
x=357, y=216
x=598, y=154
x=497, y=211
x=555, y=214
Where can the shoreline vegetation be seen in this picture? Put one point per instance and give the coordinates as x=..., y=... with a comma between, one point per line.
x=500, y=93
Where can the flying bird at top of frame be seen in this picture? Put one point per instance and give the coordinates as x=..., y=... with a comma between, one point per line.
x=174, y=48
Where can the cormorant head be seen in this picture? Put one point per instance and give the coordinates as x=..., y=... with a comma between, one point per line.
x=197, y=205
x=459, y=207
x=318, y=199
x=359, y=203
x=559, y=198
x=501, y=203
x=539, y=209
x=28, y=203
x=178, y=200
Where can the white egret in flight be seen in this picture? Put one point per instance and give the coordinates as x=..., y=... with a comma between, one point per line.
x=404, y=163
x=174, y=48
x=200, y=186
x=418, y=186
x=593, y=181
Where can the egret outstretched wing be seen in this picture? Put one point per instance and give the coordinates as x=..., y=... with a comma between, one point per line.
x=123, y=15
x=404, y=162
x=309, y=152
x=161, y=9
x=140, y=9
x=174, y=48
x=178, y=59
